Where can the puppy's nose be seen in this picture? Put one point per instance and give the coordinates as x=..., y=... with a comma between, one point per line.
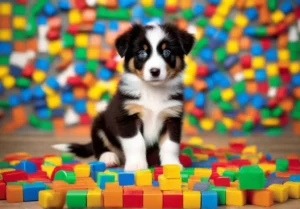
x=155, y=72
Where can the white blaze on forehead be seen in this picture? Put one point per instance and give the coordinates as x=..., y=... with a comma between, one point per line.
x=155, y=35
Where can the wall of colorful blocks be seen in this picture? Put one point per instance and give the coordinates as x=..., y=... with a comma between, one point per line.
x=58, y=66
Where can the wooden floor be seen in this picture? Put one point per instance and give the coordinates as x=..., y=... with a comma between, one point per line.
x=38, y=144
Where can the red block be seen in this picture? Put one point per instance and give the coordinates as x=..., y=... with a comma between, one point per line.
x=294, y=162
x=281, y=27
x=210, y=10
x=133, y=199
x=21, y=1
x=73, y=29
x=68, y=167
x=185, y=160
x=286, y=77
x=297, y=12
x=38, y=161
x=202, y=70
x=28, y=70
x=41, y=174
x=157, y=171
x=281, y=92
x=246, y=61
x=12, y=176
x=215, y=165
x=75, y=81
x=111, y=64
x=265, y=43
x=222, y=181
x=214, y=175
x=240, y=162
x=198, y=113
x=53, y=34
x=171, y=9
x=272, y=102
x=172, y=199
x=80, y=4
x=263, y=87
x=2, y=190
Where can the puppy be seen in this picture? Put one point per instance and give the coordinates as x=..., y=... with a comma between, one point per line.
x=145, y=114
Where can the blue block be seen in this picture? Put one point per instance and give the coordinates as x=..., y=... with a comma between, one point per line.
x=58, y=112
x=116, y=170
x=99, y=27
x=67, y=98
x=209, y=82
x=126, y=3
x=231, y=114
x=275, y=180
x=268, y=156
x=214, y=43
x=296, y=80
x=14, y=100
x=5, y=48
x=160, y=4
x=225, y=82
x=202, y=164
x=52, y=83
x=2, y=89
x=41, y=20
x=295, y=177
x=155, y=183
x=43, y=113
x=39, y=103
x=198, y=9
x=42, y=64
x=27, y=166
x=126, y=179
x=38, y=92
x=256, y=50
x=80, y=106
x=80, y=68
x=212, y=67
x=237, y=133
x=200, y=100
x=50, y=9
x=64, y=4
x=113, y=25
x=66, y=88
x=15, y=71
x=93, y=175
x=105, y=74
x=31, y=191
x=209, y=200
x=97, y=166
x=137, y=12
x=214, y=1
x=217, y=77
x=249, y=31
x=222, y=36
x=188, y=93
x=201, y=186
x=206, y=54
x=230, y=61
x=242, y=99
x=103, y=181
x=271, y=55
x=260, y=75
x=251, y=13
x=210, y=31
x=286, y=7
x=258, y=101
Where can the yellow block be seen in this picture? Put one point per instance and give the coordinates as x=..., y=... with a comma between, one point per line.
x=220, y=170
x=241, y=20
x=283, y=55
x=277, y=16
x=51, y=199
x=54, y=47
x=195, y=140
x=147, y=3
x=53, y=102
x=272, y=69
x=191, y=199
x=294, y=68
x=81, y=40
x=232, y=47
x=209, y=146
x=5, y=8
x=56, y=160
x=8, y=81
x=270, y=121
x=169, y=184
x=82, y=170
x=217, y=21
x=199, y=32
x=120, y=68
x=249, y=74
x=228, y=3
x=280, y=192
x=3, y=71
x=19, y=22
x=48, y=169
x=188, y=79
x=228, y=122
x=5, y=35
x=206, y=124
x=143, y=178
x=94, y=199
x=202, y=172
x=91, y=108
x=201, y=157
x=235, y=197
x=93, y=53
x=294, y=189
x=14, y=162
x=250, y=149
x=223, y=10
x=6, y=170
x=227, y=94
x=39, y=76
x=258, y=62
x=171, y=2
x=171, y=171
x=75, y=16
x=266, y=167
x=48, y=90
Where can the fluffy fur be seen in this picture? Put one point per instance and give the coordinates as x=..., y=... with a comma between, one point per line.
x=143, y=120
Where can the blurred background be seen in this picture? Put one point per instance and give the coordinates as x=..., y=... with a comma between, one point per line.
x=59, y=68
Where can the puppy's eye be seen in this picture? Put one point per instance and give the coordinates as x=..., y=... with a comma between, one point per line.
x=142, y=54
x=166, y=52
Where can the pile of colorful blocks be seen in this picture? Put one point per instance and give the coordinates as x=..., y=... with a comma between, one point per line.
x=59, y=59
x=234, y=175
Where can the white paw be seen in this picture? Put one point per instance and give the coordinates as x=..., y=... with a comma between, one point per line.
x=110, y=159
x=135, y=164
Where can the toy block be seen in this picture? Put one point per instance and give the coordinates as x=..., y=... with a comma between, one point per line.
x=39, y=76
x=14, y=193
x=263, y=198
x=126, y=179
x=67, y=176
x=31, y=191
x=75, y=16
x=51, y=199
x=103, y=178
x=171, y=171
x=93, y=53
x=133, y=199
x=56, y=160
x=2, y=190
x=294, y=189
x=82, y=170
x=76, y=199
x=55, y=47
x=94, y=198
x=81, y=40
x=282, y=164
x=280, y=192
x=277, y=16
x=222, y=181
x=27, y=166
x=143, y=178
x=5, y=8
x=192, y=181
x=12, y=176
x=5, y=21
x=113, y=198
x=251, y=172
x=19, y=22
x=172, y=199
x=258, y=62
x=209, y=199
x=201, y=186
x=241, y=20
x=221, y=191
x=5, y=35
x=202, y=172
x=232, y=47
x=191, y=199
x=295, y=178
x=169, y=184
x=153, y=199
x=235, y=197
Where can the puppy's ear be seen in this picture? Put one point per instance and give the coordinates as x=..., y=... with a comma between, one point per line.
x=122, y=43
x=186, y=41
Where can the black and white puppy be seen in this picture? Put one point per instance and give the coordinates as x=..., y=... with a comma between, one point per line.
x=145, y=114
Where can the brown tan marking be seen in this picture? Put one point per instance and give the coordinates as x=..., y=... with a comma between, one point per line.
x=132, y=69
x=145, y=47
x=163, y=138
x=164, y=46
x=174, y=111
x=133, y=108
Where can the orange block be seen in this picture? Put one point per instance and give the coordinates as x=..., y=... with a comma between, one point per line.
x=264, y=15
x=272, y=29
x=293, y=156
x=189, y=129
x=20, y=46
x=112, y=4
x=245, y=43
x=89, y=79
x=251, y=87
x=199, y=85
x=216, y=114
x=105, y=54
x=110, y=37
x=240, y=4
x=262, y=197
x=80, y=93
x=95, y=40
x=192, y=181
x=236, y=33
x=89, y=15
x=283, y=174
x=5, y=21
x=54, y=22
x=282, y=40
x=113, y=198
x=296, y=127
x=182, y=23
x=287, y=104
x=59, y=125
x=185, y=4
x=14, y=193
x=296, y=92
x=19, y=116
x=235, y=69
x=290, y=18
x=32, y=44
x=153, y=199
x=189, y=106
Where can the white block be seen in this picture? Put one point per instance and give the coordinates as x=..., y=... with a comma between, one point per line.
x=18, y=59
x=71, y=117
x=239, y=77
x=91, y=3
x=63, y=77
x=293, y=34
x=272, y=92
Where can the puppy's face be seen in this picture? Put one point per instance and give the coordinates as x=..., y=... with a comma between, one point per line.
x=155, y=53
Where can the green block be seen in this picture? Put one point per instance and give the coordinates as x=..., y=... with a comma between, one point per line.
x=282, y=165
x=31, y=26
x=220, y=55
x=17, y=183
x=67, y=157
x=265, y=113
x=106, y=97
x=4, y=104
x=215, y=95
x=230, y=174
x=204, y=179
x=19, y=9
x=117, y=14
x=188, y=151
x=239, y=87
x=277, y=111
x=202, y=22
x=46, y=125
x=187, y=14
x=275, y=81
x=272, y=5
x=293, y=47
x=19, y=35
x=76, y=198
x=38, y=6
x=103, y=178
x=22, y=82
x=33, y=120
x=226, y=106
x=80, y=53
x=221, y=191
x=295, y=114
x=154, y=12
x=261, y=31
x=189, y=171
x=274, y=131
x=228, y=25
x=67, y=176
x=251, y=177
x=193, y=120
x=199, y=45
x=184, y=177
x=4, y=164
x=68, y=40
x=248, y=126
x=221, y=128
x=92, y=66
x=294, y=56
x=4, y=60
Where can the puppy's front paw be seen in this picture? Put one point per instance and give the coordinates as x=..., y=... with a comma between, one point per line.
x=135, y=164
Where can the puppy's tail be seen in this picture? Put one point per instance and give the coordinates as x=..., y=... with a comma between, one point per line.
x=80, y=150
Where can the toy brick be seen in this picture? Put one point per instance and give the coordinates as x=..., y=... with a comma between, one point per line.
x=14, y=193
x=143, y=178
x=280, y=192
x=76, y=199
x=191, y=199
x=31, y=191
x=5, y=22
x=153, y=199
x=51, y=199
x=113, y=198
x=235, y=197
x=133, y=199
x=221, y=191
x=67, y=176
x=13, y=176
x=94, y=198
x=82, y=170
x=209, y=199
x=293, y=189
x=5, y=8
x=19, y=22
x=2, y=190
